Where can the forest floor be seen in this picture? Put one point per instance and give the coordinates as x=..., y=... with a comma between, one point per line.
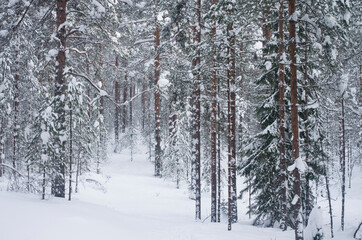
x=127, y=202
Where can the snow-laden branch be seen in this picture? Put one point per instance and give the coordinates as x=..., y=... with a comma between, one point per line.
x=103, y=93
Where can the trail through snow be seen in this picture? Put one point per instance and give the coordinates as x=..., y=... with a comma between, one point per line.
x=130, y=203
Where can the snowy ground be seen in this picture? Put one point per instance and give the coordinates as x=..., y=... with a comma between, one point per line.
x=131, y=204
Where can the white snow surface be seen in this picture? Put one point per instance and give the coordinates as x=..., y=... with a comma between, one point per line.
x=127, y=202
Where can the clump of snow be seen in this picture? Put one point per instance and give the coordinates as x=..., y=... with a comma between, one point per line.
x=334, y=53
x=295, y=199
x=347, y=16
x=343, y=84
x=98, y=6
x=163, y=83
x=52, y=53
x=318, y=46
x=12, y=2
x=314, y=229
x=103, y=93
x=4, y=33
x=129, y=2
x=45, y=136
x=268, y=65
x=298, y=163
x=330, y=21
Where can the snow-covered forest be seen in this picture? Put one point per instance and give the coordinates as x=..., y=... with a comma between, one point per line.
x=180, y=119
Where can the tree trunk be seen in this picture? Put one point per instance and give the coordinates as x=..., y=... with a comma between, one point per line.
x=232, y=206
x=360, y=104
x=2, y=141
x=77, y=171
x=58, y=187
x=196, y=113
x=326, y=172
x=158, y=161
x=124, y=112
x=143, y=103
x=16, y=110
x=218, y=160
x=172, y=134
x=308, y=204
x=116, y=117
x=131, y=92
x=101, y=114
x=298, y=219
x=283, y=163
x=213, y=126
x=342, y=158
x=70, y=150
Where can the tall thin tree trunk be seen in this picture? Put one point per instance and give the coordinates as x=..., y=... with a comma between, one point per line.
x=308, y=204
x=158, y=161
x=350, y=162
x=77, y=171
x=116, y=117
x=213, y=126
x=131, y=117
x=172, y=134
x=101, y=114
x=231, y=127
x=58, y=186
x=298, y=217
x=326, y=172
x=1, y=144
x=16, y=110
x=282, y=163
x=143, y=103
x=218, y=160
x=196, y=107
x=124, y=112
x=88, y=90
x=70, y=150
x=43, y=183
x=342, y=158
x=360, y=103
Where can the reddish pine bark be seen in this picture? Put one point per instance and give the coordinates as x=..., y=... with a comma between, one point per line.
x=58, y=187
x=232, y=194
x=213, y=127
x=158, y=163
x=294, y=118
x=283, y=164
x=70, y=150
x=196, y=153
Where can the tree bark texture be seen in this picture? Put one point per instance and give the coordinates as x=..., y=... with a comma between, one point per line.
x=196, y=112
x=342, y=159
x=213, y=127
x=232, y=194
x=102, y=143
x=158, y=160
x=124, y=110
x=58, y=187
x=70, y=150
x=298, y=219
x=16, y=109
x=117, y=112
x=283, y=163
x=143, y=103
x=2, y=142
